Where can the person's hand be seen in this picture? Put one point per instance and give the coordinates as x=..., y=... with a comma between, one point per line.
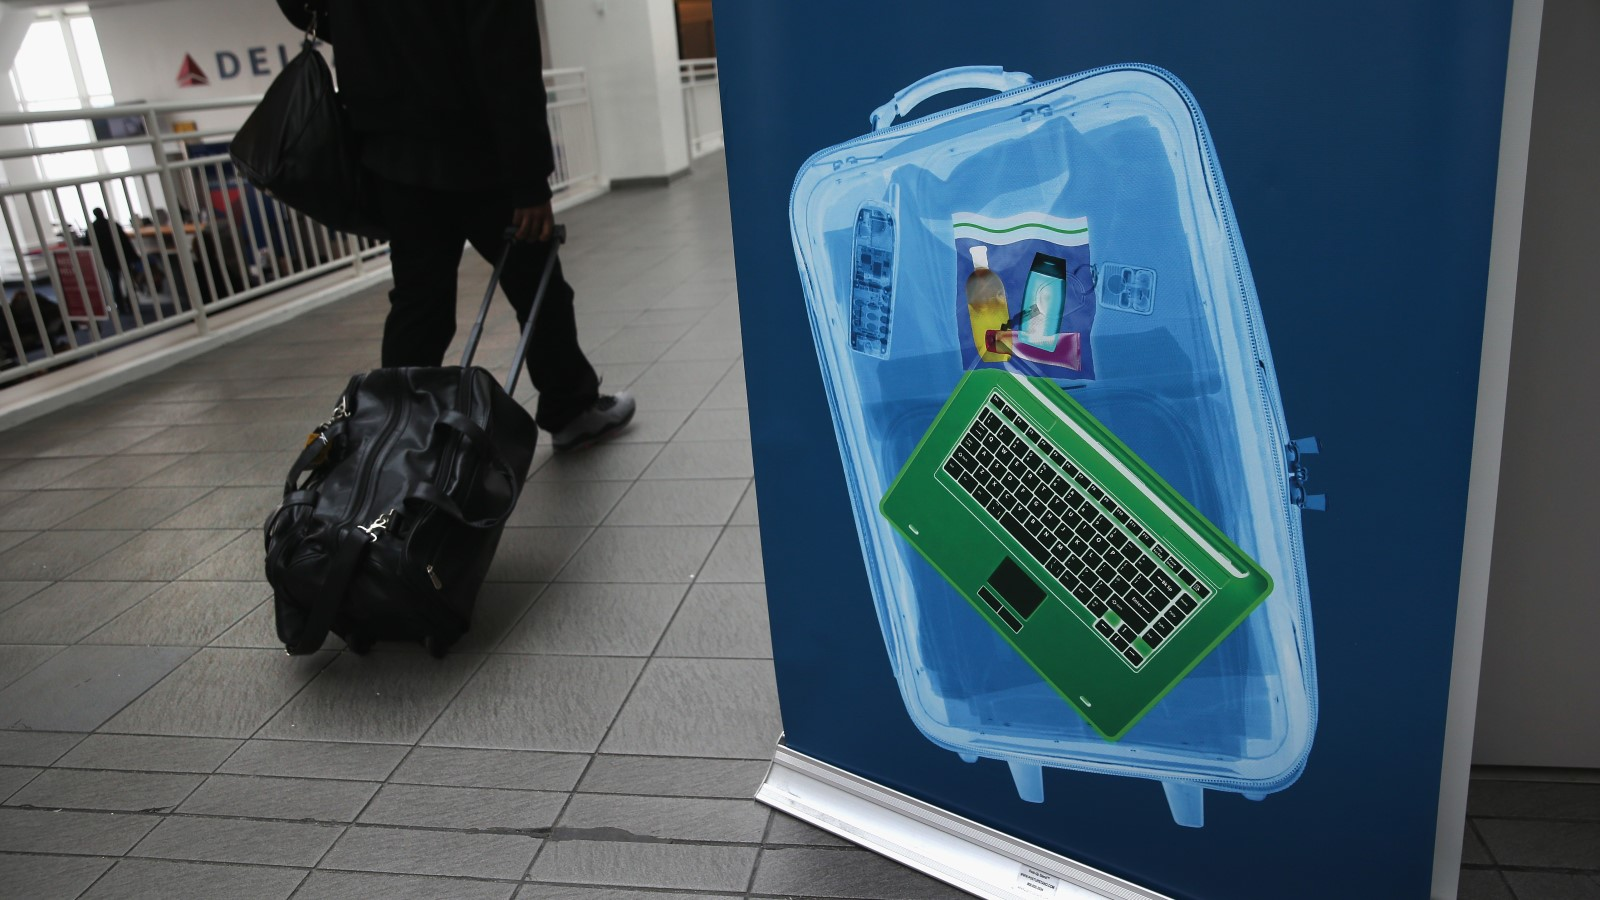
x=534, y=223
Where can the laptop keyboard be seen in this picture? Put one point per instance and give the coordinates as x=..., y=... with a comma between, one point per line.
x=1137, y=591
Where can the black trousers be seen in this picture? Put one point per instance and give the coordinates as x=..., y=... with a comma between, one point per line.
x=427, y=229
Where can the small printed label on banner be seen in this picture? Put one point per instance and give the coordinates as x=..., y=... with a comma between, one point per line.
x=1033, y=881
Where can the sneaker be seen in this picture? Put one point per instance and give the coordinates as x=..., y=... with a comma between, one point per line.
x=607, y=415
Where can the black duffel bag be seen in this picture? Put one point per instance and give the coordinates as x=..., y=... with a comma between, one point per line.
x=392, y=512
x=297, y=145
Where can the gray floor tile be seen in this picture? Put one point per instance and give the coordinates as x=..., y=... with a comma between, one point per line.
x=185, y=439
x=535, y=554
x=184, y=613
x=67, y=611
x=219, y=693
x=569, y=503
x=208, y=839
x=49, y=831
x=688, y=866
x=12, y=778
x=1539, y=844
x=206, y=469
x=226, y=507
x=736, y=557
x=716, y=425
x=703, y=459
x=40, y=510
x=17, y=660
x=139, y=507
x=1473, y=853
x=499, y=608
x=649, y=554
x=155, y=555
x=729, y=394
x=150, y=879
x=9, y=539
x=603, y=462
x=258, y=629
x=34, y=474
x=316, y=759
x=35, y=748
x=241, y=559
x=14, y=592
x=37, y=875
x=700, y=707
x=381, y=698
x=120, y=471
x=845, y=873
x=746, y=514
x=595, y=620
x=679, y=397
x=137, y=752
x=669, y=776
x=1523, y=799
x=1554, y=886
x=368, y=886
x=574, y=892
x=537, y=703
x=704, y=349
x=80, y=687
x=787, y=830
x=628, y=818
x=53, y=555
x=519, y=769
x=706, y=371
x=721, y=620
x=96, y=790
x=256, y=797
x=679, y=502
x=1484, y=884
x=427, y=806
x=374, y=848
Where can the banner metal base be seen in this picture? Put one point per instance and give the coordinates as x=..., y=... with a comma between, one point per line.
x=973, y=857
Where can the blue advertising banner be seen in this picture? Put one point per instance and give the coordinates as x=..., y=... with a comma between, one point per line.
x=1112, y=377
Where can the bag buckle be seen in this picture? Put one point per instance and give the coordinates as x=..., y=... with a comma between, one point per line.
x=381, y=523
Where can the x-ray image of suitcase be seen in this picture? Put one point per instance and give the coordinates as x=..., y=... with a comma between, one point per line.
x=1182, y=375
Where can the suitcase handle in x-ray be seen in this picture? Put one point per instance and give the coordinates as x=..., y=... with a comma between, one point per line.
x=992, y=78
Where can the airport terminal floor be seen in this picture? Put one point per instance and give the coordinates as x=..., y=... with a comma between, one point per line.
x=599, y=733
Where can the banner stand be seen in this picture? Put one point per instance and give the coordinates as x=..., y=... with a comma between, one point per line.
x=941, y=844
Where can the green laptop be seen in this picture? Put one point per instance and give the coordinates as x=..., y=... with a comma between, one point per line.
x=1106, y=580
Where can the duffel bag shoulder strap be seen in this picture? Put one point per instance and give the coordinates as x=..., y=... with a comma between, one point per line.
x=347, y=556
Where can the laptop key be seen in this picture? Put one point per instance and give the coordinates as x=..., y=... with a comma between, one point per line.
x=1133, y=656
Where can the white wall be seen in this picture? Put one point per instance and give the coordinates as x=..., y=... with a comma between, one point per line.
x=630, y=49
x=1539, y=692
x=144, y=45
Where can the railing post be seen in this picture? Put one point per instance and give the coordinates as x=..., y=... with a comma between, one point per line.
x=169, y=191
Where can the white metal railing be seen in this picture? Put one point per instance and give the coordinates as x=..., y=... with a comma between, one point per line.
x=702, y=105
x=183, y=236
x=571, y=130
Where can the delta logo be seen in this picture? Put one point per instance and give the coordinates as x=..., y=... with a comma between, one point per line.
x=190, y=74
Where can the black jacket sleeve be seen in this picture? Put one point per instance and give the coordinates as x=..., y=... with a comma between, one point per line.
x=508, y=71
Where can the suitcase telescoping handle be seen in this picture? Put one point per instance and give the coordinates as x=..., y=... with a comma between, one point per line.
x=992, y=78
x=558, y=236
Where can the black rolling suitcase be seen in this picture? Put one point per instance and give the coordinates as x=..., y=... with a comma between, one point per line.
x=392, y=512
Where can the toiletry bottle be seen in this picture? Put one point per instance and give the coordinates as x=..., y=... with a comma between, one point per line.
x=986, y=304
x=1042, y=301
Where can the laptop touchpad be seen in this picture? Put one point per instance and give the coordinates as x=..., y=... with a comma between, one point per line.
x=1016, y=587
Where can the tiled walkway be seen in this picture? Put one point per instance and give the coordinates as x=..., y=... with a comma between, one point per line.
x=597, y=736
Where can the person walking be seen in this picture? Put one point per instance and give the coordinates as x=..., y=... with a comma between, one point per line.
x=447, y=101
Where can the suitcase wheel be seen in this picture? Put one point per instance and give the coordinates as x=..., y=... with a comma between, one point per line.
x=437, y=647
x=359, y=644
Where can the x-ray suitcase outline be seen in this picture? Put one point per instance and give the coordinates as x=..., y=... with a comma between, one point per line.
x=910, y=173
